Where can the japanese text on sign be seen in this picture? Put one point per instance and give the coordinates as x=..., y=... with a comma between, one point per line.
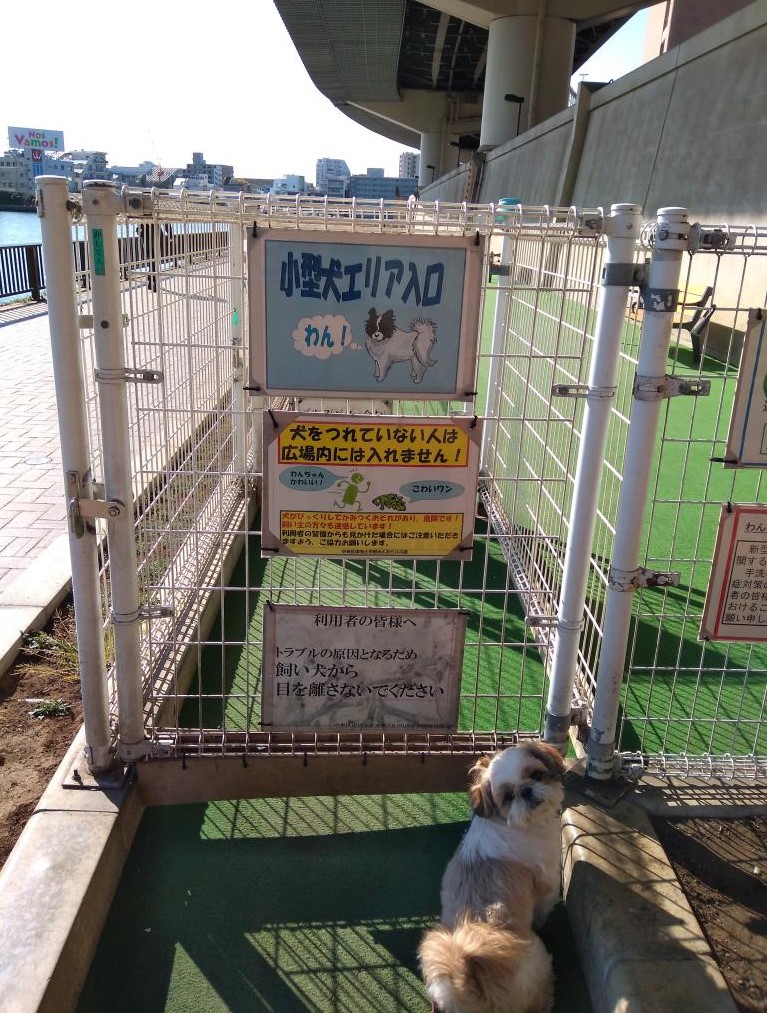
x=308, y=275
x=337, y=668
x=736, y=603
x=329, y=443
x=352, y=486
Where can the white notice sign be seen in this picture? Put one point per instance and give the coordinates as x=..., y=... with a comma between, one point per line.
x=747, y=438
x=736, y=602
x=361, y=668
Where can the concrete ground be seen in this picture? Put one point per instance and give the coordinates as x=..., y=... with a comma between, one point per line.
x=641, y=947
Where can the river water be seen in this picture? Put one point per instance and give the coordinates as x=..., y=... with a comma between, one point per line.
x=19, y=227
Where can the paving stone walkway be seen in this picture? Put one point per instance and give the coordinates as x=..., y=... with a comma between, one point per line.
x=32, y=503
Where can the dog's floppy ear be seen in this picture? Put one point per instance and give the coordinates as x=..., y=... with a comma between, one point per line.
x=550, y=757
x=387, y=322
x=479, y=789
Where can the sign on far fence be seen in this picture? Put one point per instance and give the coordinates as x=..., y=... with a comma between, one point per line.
x=361, y=668
x=360, y=315
x=392, y=486
x=747, y=437
x=736, y=601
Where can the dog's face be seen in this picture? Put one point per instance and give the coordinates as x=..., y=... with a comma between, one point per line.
x=519, y=784
x=380, y=328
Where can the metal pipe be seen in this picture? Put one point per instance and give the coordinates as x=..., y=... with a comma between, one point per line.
x=59, y=265
x=660, y=296
x=622, y=227
x=535, y=73
x=236, y=272
x=101, y=202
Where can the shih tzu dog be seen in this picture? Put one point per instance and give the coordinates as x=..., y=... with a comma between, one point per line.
x=500, y=886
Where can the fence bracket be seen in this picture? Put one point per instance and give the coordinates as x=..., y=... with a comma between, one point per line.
x=657, y=388
x=85, y=321
x=632, y=580
x=709, y=239
x=129, y=375
x=629, y=275
x=83, y=508
x=583, y=390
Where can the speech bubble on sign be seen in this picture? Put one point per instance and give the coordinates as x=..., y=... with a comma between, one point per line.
x=416, y=491
x=308, y=479
x=322, y=336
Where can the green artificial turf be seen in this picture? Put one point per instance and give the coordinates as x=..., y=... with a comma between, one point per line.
x=309, y=904
x=503, y=686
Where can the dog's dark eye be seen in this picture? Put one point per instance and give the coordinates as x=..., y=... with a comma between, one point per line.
x=536, y=775
x=508, y=796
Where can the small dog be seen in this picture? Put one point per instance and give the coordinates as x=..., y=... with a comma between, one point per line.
x=499, y=886
x=387, y=344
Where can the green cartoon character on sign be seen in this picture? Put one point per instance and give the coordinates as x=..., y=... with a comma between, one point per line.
x=351, y=488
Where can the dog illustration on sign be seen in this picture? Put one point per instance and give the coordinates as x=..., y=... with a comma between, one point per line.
x=387, y=344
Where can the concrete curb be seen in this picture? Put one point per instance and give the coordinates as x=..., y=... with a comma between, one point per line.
x=30, y=600
x=56, y=889
x=641, y=946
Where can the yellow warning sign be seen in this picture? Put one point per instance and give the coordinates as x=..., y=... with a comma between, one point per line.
x=345, y=485
x=433, y=445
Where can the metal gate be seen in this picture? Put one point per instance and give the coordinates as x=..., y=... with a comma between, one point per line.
x=161, y=449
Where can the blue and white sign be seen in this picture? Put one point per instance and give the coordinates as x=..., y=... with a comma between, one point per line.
x=363, y=315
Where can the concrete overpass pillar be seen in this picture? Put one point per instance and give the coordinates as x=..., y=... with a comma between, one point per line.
x=430, y=166
x=529, y=57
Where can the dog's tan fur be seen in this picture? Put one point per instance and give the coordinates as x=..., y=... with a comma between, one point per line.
x=502, y=882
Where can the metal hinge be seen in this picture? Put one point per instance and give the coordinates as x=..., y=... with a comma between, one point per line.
x=545, y=622
x=656, y=388
x=82, y=508
x=631, y=580
x=583, y=390
x=709, y=239
x=496, y=269
x=129, y=375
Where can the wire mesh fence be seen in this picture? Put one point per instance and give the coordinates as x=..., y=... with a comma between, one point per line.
x=197, y=474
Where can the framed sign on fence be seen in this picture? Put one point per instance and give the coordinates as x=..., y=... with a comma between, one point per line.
x=362, y=668
x=389, y=486
x=736, y=599
x=364, y=315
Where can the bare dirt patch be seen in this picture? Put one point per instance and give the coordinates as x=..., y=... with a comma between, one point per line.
x=43, y=679
x=722, y=866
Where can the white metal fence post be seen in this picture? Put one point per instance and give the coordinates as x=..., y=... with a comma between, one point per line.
x=236, y=261
x=622, y=228
x=59, y=264
x=101, y=202
x=659, y=296
x=500, y=323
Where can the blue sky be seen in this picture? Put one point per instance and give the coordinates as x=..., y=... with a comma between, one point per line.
x=159, y=83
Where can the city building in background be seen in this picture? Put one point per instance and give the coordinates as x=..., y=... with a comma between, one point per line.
x=409, y=164
x=376, y=187
x=288, y=186
x=332, y=176
x=215, y=175
x=34, y=152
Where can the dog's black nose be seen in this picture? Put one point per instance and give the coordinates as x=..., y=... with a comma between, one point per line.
x=527, y=793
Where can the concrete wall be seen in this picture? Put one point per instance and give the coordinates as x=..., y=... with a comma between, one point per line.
x=689, y=128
